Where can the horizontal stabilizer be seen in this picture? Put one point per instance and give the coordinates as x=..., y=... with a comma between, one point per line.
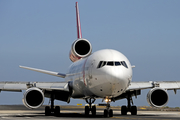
x=45, y=71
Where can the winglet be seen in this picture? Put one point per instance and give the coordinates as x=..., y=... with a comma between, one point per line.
x=79, y=33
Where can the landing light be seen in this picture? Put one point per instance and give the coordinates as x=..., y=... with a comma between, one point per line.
x=108, y=100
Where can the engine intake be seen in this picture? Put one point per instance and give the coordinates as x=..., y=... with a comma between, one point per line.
x=80, y=48
x=157, y=97
x=33, y=98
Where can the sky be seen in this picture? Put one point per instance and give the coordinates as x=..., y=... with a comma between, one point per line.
x=40, y=34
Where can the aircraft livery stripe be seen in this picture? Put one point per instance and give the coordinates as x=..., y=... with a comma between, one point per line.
x=84, y=71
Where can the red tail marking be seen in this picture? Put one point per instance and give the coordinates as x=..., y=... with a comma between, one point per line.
x=79, y=33
x=84, y=74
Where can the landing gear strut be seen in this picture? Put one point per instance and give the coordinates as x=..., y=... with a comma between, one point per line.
x=91, y=108
x=108, y=112
x=129, y=108
x=49, y=110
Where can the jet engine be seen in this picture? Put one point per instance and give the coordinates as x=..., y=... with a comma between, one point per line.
x=157, y=97
x=33, y=98
x=80, y=48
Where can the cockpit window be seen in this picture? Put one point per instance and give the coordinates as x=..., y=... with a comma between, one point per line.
x=112, y=63
x=100, y=63
x=104, y=63
x=117, y=63
x=124, y=64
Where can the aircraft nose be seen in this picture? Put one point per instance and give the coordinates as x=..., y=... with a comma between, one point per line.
x=115, y=74
x=109, y=82
x=115, y=80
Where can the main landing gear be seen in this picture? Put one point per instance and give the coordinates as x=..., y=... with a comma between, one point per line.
x=129, y=108
x=91, y=108
x=52, y=110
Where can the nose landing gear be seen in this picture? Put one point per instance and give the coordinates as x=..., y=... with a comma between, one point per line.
x=108, y=112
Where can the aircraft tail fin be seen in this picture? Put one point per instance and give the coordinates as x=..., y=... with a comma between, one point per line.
x=79, y=33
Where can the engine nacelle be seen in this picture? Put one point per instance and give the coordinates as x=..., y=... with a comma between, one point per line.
x=157, y=97
x=33, y=98
x=80, y=48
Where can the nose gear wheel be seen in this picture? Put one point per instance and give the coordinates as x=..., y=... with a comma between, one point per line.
x=108, y=112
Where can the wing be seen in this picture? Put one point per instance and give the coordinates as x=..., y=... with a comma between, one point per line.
x=167, y=85
x=13, y=86
x=48, y=86
x=45, y=71
x=60, y=90
x=140, y=85
x=135, y=88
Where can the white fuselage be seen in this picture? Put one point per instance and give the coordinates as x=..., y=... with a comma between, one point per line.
x=104, y=74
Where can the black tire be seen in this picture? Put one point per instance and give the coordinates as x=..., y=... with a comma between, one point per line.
x=123, y=110
x=110, y=113
x=133, y=110
x=47, y=111
x=94, y=110
x=57, y=111
x=105, y=113
x=86, y=110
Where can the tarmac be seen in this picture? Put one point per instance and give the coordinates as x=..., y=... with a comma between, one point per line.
x=19, y=112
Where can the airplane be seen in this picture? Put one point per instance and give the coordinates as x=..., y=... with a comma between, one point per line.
x=105, y=74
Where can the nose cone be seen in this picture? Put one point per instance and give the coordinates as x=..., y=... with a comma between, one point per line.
x=112, y=82
x=116, y=80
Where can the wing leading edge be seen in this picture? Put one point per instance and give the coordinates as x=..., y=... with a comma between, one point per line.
x=45, y=71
